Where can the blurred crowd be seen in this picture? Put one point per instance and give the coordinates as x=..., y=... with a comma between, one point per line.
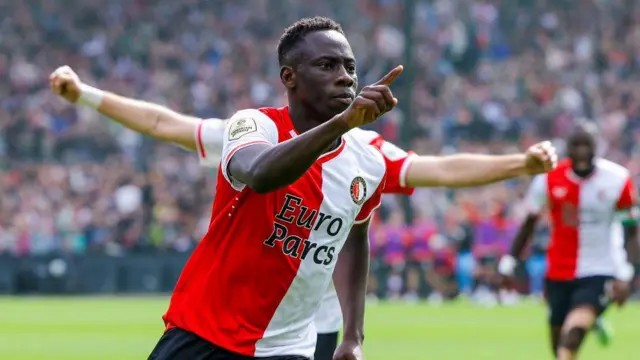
x=490, y=76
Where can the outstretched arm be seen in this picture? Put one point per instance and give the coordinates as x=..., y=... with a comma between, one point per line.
x=467, y=170
x=463, y=170
x=140, y=116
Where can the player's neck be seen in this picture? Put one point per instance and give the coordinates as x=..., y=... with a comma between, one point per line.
x=304, y=118
x=584, y=173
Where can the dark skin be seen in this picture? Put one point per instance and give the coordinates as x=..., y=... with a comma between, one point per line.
x=581, y=150
x=320, y=78
x=320, y=84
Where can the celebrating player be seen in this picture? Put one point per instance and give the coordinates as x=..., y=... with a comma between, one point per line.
x=405, y=170
x=582, y=195
x=295, y=188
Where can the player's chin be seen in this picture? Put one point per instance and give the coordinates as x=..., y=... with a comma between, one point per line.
x=339, y=105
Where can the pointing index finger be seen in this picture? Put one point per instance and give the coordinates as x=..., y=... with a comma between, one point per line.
x=391, y=76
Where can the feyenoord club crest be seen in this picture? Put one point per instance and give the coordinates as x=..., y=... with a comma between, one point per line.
x=358, y=190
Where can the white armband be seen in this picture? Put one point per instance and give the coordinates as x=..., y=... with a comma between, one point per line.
x=90, y=96
x=507, y=265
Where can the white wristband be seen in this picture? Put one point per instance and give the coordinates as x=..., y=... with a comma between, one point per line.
x=90, y=96
x=507, y=265
x=625, y=272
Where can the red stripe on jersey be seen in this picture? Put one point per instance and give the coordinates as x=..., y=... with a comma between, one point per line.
x=200, y=145
x=563, y=197
x=215, y=295
x=332, y=154
x=396, y=170
x=627, y=196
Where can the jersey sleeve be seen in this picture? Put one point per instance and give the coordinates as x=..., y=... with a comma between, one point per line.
x=209, y=137
x=397, y=162
x=370, y=206
x=628, y=195
x=536, y=197
x=245, y=128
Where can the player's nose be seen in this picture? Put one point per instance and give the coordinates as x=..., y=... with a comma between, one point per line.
x=344, y=78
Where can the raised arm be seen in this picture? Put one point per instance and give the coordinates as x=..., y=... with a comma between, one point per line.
x=262, y=163
x=467, y=170
x=140, y=116
x=253, y=156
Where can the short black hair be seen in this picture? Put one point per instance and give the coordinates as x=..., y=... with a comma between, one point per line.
x=297, y=32
x=584, y=127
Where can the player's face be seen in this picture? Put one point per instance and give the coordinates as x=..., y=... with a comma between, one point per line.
x=581, y=150
x=326, y=77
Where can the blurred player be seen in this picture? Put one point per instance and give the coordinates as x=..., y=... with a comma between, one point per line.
x=583, y=195
x=294, y=190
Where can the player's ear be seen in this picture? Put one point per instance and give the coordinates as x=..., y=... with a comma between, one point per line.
x=288, y=77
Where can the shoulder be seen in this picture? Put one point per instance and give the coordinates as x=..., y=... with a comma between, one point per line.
x=538, y=182
x=367, y=157
x=611, y=169
x=361, y=147
x=255, y=114
x=366, y=136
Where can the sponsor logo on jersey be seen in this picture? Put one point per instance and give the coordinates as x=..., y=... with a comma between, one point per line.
x=559, y=192
x=294, y=214
x=358, y=190
x=242, y=127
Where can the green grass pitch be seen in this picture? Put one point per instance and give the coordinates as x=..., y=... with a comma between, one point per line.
x=126, y=328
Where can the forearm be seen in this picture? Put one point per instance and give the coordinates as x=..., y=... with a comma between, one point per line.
x=632, y=244
x=350, y=279
x=464, y=170
x=150, y=119
x=523, y=237
x=281, y=165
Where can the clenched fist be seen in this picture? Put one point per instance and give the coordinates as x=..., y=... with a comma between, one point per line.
x=349, y=350
x=372, y=102
x=541, y=158
x=66, y=83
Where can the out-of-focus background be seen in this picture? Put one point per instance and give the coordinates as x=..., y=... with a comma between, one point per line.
x=88, y=208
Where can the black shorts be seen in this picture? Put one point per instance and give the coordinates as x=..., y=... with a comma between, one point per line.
x=563, y=296
x=178, y=344
x=326, y=346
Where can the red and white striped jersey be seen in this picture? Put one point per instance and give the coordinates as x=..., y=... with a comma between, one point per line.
x=396, y=160
x=582, y=213
x=256, y=280
x=329, y=317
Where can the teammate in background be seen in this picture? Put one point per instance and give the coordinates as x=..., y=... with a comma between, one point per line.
x=405, y=171
x=583, y=195
x=295, y=189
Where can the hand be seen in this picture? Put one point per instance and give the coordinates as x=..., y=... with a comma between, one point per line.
x=349, y=350
x=66, y=83
x=507, y=268
x=541, y=158
x=620, y=291
x=372, y=102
